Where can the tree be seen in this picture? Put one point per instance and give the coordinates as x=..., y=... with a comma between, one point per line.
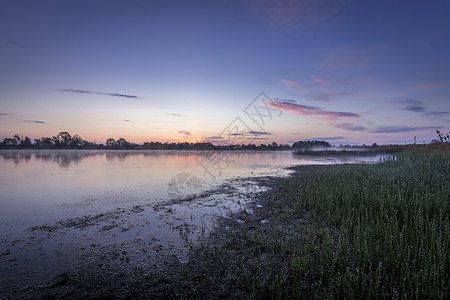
x=311, y=144
x=76, y=141
x=19, y=139
x=46, y=142
x=122, y=143
x=9, y=142
x=111, y=143
x=63, y=139
x=26, y=142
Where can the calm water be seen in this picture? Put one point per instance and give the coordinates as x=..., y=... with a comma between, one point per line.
x=58, y=207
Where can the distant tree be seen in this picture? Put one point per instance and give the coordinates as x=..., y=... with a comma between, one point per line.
x=46, y=142
x=26, y=142
x=9, y=142
x=311, y=144
x=111, y=143
x=274, y=145
x=37, y=143
x=76, y=141
x=122, y=143
x=62, y=140
x=19, y=139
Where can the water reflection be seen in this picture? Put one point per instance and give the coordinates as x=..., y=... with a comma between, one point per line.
x=65, y=158
x=62, y=158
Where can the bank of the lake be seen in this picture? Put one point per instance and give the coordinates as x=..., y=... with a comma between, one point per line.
x=371, y=231
x=351, y=231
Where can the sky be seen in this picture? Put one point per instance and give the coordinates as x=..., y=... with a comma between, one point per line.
x=348, y=72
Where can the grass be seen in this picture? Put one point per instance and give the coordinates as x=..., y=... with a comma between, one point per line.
x=372, y=231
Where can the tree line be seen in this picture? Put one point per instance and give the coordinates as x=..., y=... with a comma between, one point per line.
x=65, y=140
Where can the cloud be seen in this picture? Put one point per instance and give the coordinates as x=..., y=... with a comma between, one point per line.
x=306, y=110
x=184, y=132
x=418, y=106
x=251, y=133
x=348, y=126
x=320, y=81
x=438, y=113
x=127, y=120
x=331, y=138
x=329, y=116
x=258, y=132
x=4, y=114
x=214, y=137
x=413, y=105
x=98, y=93
x=35, y=121
x=397, y=129
x=176, y=115
x=292, y=83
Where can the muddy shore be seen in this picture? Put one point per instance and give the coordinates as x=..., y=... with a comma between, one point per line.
x=107, y=272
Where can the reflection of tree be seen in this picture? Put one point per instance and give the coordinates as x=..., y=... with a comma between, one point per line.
x=119, y=155
x=65, y=158
x=62, y=158
x=17, y=157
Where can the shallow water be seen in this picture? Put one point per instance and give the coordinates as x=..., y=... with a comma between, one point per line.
x=69, y=207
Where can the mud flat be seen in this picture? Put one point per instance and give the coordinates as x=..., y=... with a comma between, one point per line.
x=142, y=266
x=127, y=251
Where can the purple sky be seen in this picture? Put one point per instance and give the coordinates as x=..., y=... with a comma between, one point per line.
x=344, y=71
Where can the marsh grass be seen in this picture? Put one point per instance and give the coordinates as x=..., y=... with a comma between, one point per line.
x=371, y=231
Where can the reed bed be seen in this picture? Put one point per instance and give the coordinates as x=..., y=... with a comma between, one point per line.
x=373, y=231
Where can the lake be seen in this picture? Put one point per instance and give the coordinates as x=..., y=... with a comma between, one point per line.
x=64, y=209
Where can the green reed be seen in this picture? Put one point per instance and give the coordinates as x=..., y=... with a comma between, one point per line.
x=374, y=231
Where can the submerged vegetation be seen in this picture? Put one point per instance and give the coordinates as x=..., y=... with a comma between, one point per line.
x=352, y=231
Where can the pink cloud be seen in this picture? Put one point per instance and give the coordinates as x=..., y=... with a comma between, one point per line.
x=305, y=110
x=291, y=83
x=330, y=117
x=319, y=80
